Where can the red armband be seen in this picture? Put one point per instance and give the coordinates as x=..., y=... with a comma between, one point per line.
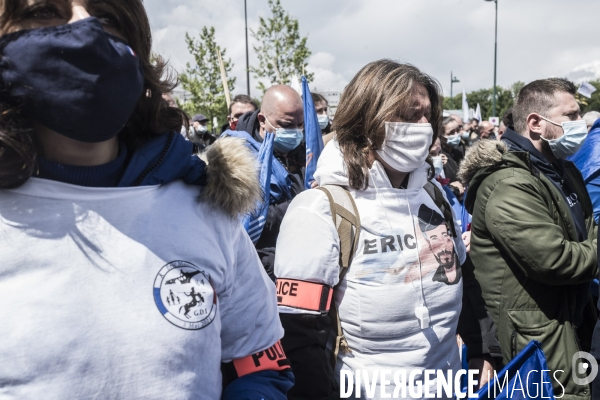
x=271, y=359
x=304, y=295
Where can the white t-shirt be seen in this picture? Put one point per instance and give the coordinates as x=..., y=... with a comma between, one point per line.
x=377, y=298
x=125, y=293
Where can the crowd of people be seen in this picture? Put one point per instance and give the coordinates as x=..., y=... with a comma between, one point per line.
x=125, y=271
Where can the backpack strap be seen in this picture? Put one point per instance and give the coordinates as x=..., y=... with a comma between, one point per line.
x=438, y=198
x=347, y=223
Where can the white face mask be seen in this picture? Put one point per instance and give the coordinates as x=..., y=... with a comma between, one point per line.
x=575, y=133
x=201, y=128
x=406, y=145
x=438, y=165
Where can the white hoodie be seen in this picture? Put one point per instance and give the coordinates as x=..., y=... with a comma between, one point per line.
x=381, y=289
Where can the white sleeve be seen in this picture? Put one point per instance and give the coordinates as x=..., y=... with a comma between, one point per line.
x=308, y=244
x=459, y=245
x=250, y=322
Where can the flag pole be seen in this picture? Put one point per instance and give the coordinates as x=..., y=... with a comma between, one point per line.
x=247, y=57
x=224, y=78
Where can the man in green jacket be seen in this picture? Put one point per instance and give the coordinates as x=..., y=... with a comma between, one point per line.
x=533, y=239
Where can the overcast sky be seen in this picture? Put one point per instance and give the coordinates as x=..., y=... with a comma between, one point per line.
x=536, y=38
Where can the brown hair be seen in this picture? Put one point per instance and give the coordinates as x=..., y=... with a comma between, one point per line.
x=317, y=98
x=152, y=116
x=373, y=96
x=244, y=99
x=445, y=121
x=538, y=97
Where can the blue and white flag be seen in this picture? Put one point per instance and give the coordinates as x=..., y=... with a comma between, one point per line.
x=255, y=222
x=477, y=113
x=465, y=217
x=454, y=203
x=586, y=90
x=312, y=135
x=514, y=381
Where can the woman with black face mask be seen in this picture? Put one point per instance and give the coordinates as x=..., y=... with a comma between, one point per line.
x=124, y=270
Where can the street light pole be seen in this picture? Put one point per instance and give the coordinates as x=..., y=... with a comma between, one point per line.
x=247, y=57
x=495, y=58
x=453, y=80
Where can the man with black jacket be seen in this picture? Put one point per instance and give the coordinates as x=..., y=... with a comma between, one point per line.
x=281, y=112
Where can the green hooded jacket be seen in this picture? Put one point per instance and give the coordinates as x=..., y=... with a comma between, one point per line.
x=527, y=257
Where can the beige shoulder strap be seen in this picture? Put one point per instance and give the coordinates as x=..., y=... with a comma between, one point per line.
x=347, y=223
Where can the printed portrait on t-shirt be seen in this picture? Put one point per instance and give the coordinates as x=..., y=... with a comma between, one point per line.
x=436, y=248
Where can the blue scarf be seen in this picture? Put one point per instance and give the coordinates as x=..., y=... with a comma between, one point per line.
x=281, y=184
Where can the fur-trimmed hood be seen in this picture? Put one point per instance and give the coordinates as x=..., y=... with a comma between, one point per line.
x=483, y=154
x=483, y=159
x=230, y=180
x=232, y=183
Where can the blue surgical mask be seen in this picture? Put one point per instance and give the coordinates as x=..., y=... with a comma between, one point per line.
x=575, y=133
x=75, y=79
x=286, y=140
x=323, y=121
x=453, y=140
x=465, y=135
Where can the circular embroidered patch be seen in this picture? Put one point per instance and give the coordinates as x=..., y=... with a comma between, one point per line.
x=184, y=295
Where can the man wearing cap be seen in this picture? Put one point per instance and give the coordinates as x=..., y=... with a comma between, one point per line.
x=199, y=134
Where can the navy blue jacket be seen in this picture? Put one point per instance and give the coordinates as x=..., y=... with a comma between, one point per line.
x=164, y=159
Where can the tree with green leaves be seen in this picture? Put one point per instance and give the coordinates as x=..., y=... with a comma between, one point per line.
x=516, y=88
x=203, y=78
x=281, y=51
x=505, y=98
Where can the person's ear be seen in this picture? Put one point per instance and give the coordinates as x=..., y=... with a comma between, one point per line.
x=261, y=120
x=534, y=123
